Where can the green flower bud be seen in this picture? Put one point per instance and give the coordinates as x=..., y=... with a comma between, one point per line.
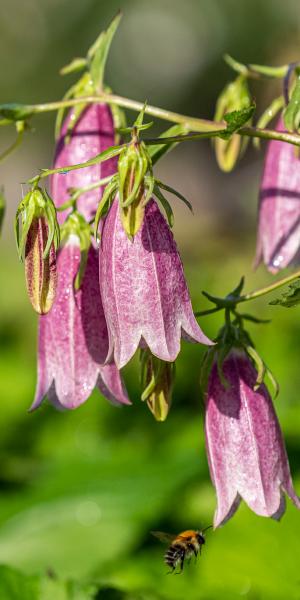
x=157, y=378
x=235, y=96
x=133, y=164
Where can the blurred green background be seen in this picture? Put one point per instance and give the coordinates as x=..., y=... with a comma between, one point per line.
x=81, y=491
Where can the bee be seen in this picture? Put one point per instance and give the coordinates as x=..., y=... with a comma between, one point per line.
x=182, y=546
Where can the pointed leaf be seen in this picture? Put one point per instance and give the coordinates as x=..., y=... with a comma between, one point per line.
x=291, y=297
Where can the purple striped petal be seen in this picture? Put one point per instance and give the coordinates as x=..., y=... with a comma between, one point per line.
x=73, y=338
x=278, y=243
x=143, y=288
x=245, y=447
x=92, y=134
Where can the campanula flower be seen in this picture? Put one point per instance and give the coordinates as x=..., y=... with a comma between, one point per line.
x=92, y=134
x=245, y=447
x=73, y=338
x=144, y=293
x=278, y=243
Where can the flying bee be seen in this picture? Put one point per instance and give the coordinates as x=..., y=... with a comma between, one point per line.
x=182, y=546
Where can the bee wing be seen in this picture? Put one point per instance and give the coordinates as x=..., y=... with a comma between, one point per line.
x=163, y=537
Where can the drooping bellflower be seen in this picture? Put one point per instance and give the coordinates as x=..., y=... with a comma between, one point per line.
x=245, y=447
x=278, y=243
x=144, y=293
x=73, y=339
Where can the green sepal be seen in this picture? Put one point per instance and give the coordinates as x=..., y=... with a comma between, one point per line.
x=2, y=207
x=36, y=204
x=271, y=111
x=291, y=297
x=259, y=365
x=157, y=378
x=125, y=130
x=76, y=64
x=171, y=190
x=83, y=87
x=253, y=70
x=104, y=205
x=273, y=381
x=75, y=224
x=165, y=205
x=98, y=53
x=291, y=114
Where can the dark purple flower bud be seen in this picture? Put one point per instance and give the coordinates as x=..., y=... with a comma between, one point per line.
x=38, y=236
x=40, y=273
x=73, y=338
x=92, y=133
x=246, y=452
x=278, y=242
x=144, y=293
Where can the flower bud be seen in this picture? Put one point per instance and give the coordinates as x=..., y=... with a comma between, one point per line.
x=235, y=96
x=40, y=239
x=157, y=377
x=40, y=273
x=132, y=167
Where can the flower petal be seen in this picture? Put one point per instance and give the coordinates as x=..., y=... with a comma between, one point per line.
x=278, y=242
x=75, y=338
x=247, y=457
x=92, y=134
x=144, y=293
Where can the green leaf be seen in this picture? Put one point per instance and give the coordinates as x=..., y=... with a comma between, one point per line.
x=16, y=112
x=236, y=119
x=291, y=114
x=291, y=297
x=98, y=53
x=77, y=64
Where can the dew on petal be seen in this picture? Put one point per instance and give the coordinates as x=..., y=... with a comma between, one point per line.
x=276, y=262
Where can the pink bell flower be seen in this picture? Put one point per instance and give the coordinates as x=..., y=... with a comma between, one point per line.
x=278, y=243
x=92, y=134
x=144, y=293
x=245, y=447
x=73, y=338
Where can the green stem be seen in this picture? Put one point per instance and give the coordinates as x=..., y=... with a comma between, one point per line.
x=13, y=146
x=204, y=127
x=79, y=191
x=267, y=134
x=269, y=288
x=194, y=124
x=105, y=155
